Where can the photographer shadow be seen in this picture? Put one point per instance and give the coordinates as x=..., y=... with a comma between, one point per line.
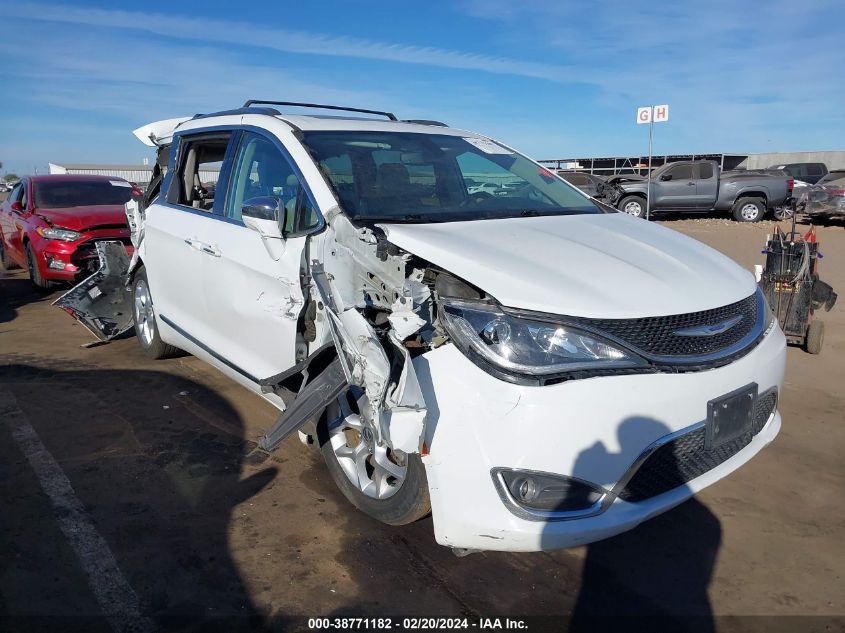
x=657, y=575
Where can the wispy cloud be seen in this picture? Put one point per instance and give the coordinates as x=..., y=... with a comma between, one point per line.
x=291, y=41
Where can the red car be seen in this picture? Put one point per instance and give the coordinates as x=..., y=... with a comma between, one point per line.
x=50, y=224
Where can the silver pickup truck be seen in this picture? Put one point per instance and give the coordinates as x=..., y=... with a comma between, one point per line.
x=698, y=187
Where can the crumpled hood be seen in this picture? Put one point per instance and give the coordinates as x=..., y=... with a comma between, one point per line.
x=80, y=218
x=597, y=266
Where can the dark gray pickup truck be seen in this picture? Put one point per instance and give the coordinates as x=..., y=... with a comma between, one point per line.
x=698, y=187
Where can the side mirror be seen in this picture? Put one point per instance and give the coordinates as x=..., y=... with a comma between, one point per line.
x=16, y=206
x=666, y=177
x=265, y=215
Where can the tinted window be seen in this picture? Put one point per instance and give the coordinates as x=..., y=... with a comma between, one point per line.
x=833, y=175
x=815, y=169
x=796, y=171
x=61, y=194
x=575, y=179
x=705, y=171
x=681, y=172
x=195, y=180
x=436, y=177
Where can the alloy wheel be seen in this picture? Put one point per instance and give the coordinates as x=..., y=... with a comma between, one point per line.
x=144, y=315
x=376, y=471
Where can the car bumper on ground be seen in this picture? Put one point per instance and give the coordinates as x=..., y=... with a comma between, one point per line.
x=593, y=429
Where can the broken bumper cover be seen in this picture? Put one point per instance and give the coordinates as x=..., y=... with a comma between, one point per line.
x=592, y=429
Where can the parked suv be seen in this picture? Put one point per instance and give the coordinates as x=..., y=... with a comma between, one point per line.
x=533, y=368
x=805, y=172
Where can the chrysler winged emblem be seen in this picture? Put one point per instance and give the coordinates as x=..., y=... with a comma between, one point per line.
x=709, y=330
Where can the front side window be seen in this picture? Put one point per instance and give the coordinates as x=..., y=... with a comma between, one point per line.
x=412, y=177
x=66, y=194
x=17, y=192
x=261, y=170
x=681, y=172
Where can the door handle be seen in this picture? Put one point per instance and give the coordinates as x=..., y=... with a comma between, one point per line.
x=208, y=249
x=690, y=184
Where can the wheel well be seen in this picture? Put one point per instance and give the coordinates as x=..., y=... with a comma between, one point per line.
x=752, y=194
x=634, y=194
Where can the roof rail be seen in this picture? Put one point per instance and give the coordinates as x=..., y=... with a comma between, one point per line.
x=389, y=115
x=270, y=111
x=426, y=122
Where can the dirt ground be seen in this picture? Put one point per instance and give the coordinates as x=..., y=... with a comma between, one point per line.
x=205, y=529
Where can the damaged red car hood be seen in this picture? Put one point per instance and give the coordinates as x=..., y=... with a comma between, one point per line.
x=80, y=218
x=597, y=266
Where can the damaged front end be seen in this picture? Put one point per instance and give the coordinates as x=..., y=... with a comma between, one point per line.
x=375, y=303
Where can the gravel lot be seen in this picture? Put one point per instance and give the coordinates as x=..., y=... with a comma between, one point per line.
x=162, y=456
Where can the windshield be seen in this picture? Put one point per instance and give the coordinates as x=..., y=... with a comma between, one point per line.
x=62, y=194
x=407, y=177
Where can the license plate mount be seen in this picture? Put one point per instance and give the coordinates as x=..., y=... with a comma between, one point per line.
x=730, y=416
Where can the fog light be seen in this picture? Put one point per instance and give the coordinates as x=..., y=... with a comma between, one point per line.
x=545, y=492
x=55, y=264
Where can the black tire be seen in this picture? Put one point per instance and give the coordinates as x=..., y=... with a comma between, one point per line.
x=147, y=331
x=633, y=206
x=6, y=262
x=815, y=337
x=742, y=209
x=410, y=503
x=34, y=274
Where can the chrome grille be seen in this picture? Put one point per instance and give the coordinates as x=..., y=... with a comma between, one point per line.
x=685, y=458
x=655, y=336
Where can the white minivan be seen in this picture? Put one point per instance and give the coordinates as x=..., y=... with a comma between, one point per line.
x=534, y=369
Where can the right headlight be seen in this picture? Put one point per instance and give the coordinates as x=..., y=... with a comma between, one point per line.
x=529, y=347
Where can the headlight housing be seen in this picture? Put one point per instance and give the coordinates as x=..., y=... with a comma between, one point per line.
x=519, y=346
x=64, y=235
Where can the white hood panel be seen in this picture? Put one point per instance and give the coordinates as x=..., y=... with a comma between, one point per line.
x=597, y=266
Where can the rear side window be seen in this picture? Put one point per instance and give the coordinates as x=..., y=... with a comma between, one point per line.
x=815, y=169
x=195, y=180
x=705, y=171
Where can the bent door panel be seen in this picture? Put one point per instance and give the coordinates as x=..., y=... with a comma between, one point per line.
x=252, y=283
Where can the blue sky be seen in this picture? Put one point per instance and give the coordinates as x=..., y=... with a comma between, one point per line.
x=554, y=78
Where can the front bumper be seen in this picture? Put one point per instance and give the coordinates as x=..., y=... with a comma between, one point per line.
x=71, y=261
x=593, y=429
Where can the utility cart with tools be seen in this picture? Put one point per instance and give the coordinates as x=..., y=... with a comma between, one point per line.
x=792, y=286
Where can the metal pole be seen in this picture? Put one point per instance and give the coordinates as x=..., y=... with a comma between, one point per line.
x=648, y=184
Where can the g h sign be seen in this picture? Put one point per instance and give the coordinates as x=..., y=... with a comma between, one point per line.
x=658, y=114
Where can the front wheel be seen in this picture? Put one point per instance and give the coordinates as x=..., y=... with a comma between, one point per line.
x=143, y=316
x=749, y=209
x=34, y=273
x=390, y=486
x=633, y=205
x=815, y=337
